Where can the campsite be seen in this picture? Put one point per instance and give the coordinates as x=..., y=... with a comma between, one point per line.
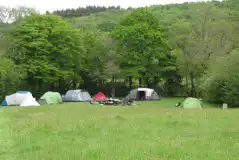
x=129, y=82
x=152, y=129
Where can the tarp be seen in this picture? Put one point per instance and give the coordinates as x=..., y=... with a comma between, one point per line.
x=99, y=97
x=191, y=103
x=77, y=96
x=50, y=98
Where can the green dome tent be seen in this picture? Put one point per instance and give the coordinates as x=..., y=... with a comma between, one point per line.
x=191, y=103
x=50, y=98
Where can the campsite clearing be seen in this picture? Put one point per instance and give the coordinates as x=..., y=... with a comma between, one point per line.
x=151, y=130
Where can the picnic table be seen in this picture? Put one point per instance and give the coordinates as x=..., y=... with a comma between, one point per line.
x=112, y=102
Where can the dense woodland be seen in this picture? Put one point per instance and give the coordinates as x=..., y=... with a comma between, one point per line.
x=83, y=11
x=189, y=49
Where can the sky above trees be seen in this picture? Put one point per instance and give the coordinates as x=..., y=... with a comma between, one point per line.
x=44, y=5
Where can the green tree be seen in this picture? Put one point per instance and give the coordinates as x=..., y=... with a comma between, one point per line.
x=11, y=76
x=221, y=84
x=196, y=40
x=141, y=45
x=93, y=62
x=47, y=48
x=111, y=68
x=101, y=63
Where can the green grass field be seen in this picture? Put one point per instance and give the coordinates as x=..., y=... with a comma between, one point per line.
x=148, y=131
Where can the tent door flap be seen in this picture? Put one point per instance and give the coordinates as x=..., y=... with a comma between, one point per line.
x=141, y=95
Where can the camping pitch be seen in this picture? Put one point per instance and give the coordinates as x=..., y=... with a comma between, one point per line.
x=79, y=95
x=50, y=98
x=191, y=103
x=143, y=94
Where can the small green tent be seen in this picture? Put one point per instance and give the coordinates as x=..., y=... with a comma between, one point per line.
x=50, y=98
x=191, y=103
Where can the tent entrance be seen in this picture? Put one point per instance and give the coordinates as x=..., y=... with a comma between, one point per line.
x=141, y=95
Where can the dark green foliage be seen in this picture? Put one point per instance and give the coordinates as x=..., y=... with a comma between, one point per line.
x=172, y=85
x=81, y=11
x=222, y=83
x=11, y=77
x=212, y=88
x=230, y=73
x=231, y=91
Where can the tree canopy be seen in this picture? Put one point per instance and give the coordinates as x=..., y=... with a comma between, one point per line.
x=47, y=48
x=142, y=45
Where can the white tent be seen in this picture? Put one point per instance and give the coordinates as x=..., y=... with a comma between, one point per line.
x=30, y=102
x=77, y=96
x=21, y=98
x=143, y=94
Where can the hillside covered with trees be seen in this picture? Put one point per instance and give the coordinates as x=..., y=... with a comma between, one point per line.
x=189, y=49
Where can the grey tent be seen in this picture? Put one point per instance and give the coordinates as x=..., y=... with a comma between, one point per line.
x=79, y=95
x=143, y=94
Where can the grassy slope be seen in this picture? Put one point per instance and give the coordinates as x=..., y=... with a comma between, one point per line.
x=151, y=130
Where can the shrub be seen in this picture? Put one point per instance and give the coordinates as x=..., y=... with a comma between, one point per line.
x=212, y=88
x=222, y=84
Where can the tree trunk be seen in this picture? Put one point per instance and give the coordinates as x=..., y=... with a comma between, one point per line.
x=193, y=88
x=140, y=82
x=4, y=89
x=52, y=86
x=39, y=85
x=113, y=86
x=147, y=82
x=130, y=81
x=74, y=84
x=155, y=82
x=187, y=84
x=59, y=85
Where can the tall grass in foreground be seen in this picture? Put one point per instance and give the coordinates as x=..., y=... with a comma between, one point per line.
x=150, y=130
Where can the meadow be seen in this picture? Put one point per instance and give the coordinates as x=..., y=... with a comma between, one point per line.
x=150, y=130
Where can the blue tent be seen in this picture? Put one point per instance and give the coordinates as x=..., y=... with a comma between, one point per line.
x=4, y=103
x=23, y=92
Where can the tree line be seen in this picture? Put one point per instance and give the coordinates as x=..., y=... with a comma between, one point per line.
x=188, y=49
x=83, y=11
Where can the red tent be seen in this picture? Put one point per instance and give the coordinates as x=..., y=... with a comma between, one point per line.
x=99, y=97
